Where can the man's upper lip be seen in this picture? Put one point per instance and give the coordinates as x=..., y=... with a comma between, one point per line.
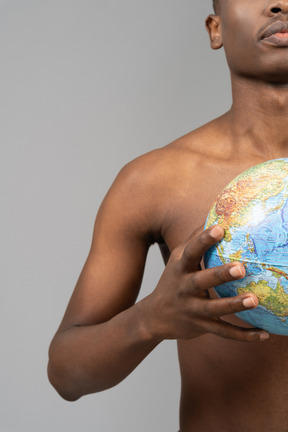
x=276, y=27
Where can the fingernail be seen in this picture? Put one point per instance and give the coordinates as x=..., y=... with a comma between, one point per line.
x=236, y=271
x=216, y=232
x=264, y=336
x=249, y=302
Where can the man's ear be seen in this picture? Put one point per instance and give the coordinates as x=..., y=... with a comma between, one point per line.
x=213, y=28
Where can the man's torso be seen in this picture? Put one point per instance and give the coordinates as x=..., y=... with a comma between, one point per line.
x=227, y=386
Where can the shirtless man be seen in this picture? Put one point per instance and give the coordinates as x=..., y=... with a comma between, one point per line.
x=234, y=378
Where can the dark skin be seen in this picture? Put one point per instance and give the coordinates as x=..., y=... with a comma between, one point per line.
x=233, y=377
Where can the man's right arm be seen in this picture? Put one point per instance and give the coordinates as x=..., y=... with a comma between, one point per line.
x=104, y=334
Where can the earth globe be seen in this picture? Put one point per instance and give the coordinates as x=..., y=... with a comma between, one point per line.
x=253, y=210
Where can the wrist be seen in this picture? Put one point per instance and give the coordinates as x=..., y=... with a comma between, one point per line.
x=147, y=321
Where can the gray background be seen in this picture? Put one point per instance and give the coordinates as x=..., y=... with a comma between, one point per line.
x=85, y=86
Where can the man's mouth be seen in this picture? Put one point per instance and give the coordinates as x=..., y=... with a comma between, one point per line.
x=276, y=33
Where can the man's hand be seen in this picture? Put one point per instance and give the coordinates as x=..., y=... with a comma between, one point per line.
x=180, y=308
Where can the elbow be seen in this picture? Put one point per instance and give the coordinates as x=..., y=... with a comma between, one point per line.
x=68, y=374
x=60, y=375
x=61, y=383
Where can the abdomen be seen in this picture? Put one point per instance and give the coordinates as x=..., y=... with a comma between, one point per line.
x=234, y=386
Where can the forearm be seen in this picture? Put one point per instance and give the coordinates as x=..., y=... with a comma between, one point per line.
x=89, y=359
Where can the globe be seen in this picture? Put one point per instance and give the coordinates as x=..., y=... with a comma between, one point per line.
x=253, y=210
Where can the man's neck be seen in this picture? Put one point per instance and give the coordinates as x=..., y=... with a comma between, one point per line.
x=259, y=117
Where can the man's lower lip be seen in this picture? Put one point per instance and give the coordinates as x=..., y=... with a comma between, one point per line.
x=280, y=39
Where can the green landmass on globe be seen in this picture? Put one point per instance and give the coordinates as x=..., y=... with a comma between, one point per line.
x=253, y=210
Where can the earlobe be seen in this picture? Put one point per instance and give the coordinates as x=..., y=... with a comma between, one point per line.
x=213, y=27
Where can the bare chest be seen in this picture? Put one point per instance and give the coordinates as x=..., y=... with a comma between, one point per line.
x=227, y=386
x=188, y=207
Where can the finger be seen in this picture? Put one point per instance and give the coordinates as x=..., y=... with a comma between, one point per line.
x=230, y=331
x=197, y=232
x=225, y=306
x=197, y=246
x=205, y=279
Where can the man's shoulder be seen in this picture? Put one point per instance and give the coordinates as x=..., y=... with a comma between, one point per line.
x=147, y=188
x=158, y=172
x=159, y=165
